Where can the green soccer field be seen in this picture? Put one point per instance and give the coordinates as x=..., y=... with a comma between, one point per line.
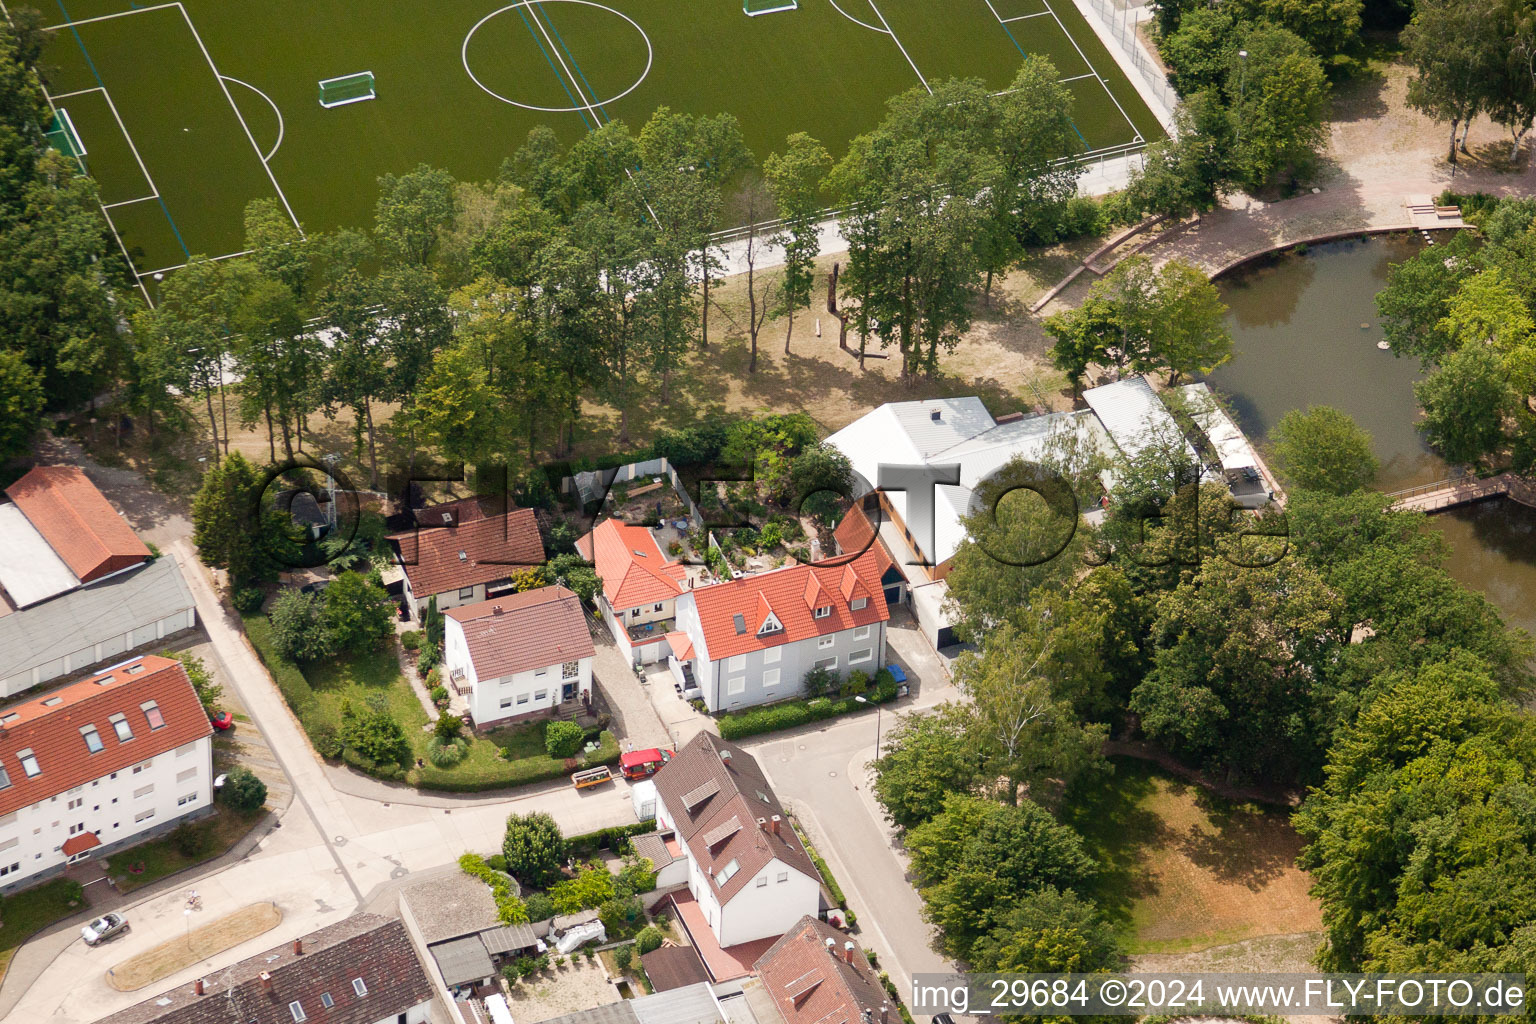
x=187, y=111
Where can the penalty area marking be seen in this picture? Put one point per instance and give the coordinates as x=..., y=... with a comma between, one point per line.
x=650, y=56
x=271, y=152
x=856, y=21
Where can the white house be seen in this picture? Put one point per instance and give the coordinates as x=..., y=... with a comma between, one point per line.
x=519, y=655
x=640, y=585
x=100, y=764
x=748, y=873
x=753, y=639
x=359, y=970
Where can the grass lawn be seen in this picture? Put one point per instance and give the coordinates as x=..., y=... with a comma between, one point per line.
x=1185, y=870
x=200, y=943
x=160, y=857
x=359, y=679
x=31, y=910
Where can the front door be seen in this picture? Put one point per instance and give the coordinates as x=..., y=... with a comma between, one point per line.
x=568, y=691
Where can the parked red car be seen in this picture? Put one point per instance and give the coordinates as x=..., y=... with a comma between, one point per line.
x=221, y=720
x=637, y=764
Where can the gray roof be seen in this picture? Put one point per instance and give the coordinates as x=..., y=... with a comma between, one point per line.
x=462, y=960
x=30, y=570
x=451, y=905
x=694, y=1004
x=508, y=938
x=84, y=617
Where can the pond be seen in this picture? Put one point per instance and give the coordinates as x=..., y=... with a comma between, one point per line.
x=1305, y=332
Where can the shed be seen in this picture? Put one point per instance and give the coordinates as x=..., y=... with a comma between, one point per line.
x=463, y=961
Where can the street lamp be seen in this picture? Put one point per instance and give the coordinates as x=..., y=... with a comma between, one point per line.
x=1242, y=88
x=878, y=710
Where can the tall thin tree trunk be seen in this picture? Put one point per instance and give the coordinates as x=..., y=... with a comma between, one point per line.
x=213, y=423
x=373, y=457
x=986, y=295
x=223, y=408
x=271, y=434
x=1455, y=123
x=704, y=313
x=789, y=330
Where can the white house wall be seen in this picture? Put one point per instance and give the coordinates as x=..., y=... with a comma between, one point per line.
x=520, y=692
x=791, y=661
x=770, y=909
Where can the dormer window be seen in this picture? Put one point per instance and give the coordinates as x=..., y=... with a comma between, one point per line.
x=121, y=727
x=92, y=739
x=770, y=625
x=29, y=763
x=858, y=603
x=152, y=715
x=823, y=611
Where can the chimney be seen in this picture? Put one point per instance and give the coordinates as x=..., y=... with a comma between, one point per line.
x=197, y=987
x=848, y=952
x=832, y=946
x=266, y=981
x=725, y=755
x=495, y=609
x=762, y=823
x=298, y=947
x=773, y=824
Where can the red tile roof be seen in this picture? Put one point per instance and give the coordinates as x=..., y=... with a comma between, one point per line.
x=715, y=804
x=439, y=560
x=791, y=593
x=523, y=632
x=856, y=534
x=49, y=725
x=632, y=567
x=813, y=983
x=77, y=521
x=682, y=647
x=80, y=843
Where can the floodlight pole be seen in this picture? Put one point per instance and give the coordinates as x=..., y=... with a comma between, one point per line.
x=1242, y=88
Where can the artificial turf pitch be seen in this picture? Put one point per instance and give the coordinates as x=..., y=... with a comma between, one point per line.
x=190, y=110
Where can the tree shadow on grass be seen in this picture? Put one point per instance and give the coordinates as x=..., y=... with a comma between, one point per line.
x=1244, y=844
x=1117, y=827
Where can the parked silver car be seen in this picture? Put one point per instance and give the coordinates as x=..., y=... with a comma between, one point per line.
x=105, y=927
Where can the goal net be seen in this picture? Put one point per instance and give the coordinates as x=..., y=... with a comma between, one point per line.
x=338, y=92
x=753, y=8
x=61, y=135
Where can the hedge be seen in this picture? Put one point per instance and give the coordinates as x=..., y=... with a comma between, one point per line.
x=789, y=714
x=290, y=678
x=826, y=872
x=616, y=839
x=521, y=772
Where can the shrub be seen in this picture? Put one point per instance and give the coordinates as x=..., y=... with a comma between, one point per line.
x=445, y=753
x=447, y=727
x=563, y=739
x=540, y=907
x=439, y=695
x=509, y=909
x=622, y=956
x=410, y=639
x=858, y=682
x=327, y=743
x=375, y=734
x=290, y=679
x=649, y=939
x=359, y=614
x=242, y=790
x=789, y=714
x=620, y=913
x=247, y=600
x=592, y=887
x=434, y=679
x=299, y=631
x=191, y=841
x=819, y=681
x=534, y=848
x=428, y=657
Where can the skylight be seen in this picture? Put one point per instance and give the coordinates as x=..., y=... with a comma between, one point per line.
x=727, y=872
x=92, y=739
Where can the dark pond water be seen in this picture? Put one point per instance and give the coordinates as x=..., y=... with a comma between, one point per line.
x=1305, y=331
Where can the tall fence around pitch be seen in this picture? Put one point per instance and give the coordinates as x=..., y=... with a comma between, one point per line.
x=1116, y=22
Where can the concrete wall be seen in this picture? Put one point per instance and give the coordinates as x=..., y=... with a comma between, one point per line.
x=122, y=808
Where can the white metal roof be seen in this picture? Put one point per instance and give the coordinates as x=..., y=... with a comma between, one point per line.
x=907, y=434
x=1232, y=447
x=30, y=570
x=1135, y=417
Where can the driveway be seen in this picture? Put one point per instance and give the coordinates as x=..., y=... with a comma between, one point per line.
x=634, y=719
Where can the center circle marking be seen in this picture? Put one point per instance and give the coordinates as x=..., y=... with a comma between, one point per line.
x=650, y=55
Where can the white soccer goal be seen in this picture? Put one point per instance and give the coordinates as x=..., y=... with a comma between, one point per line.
x=61, y=135
x=752, y=8
x=355, y=88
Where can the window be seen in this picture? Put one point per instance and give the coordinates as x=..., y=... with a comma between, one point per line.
x=830, y=664
x=465, y=593
x=634, y=613
x=75, y=803
x=772, y=655
x=144, y=815
x=297, y=1009
x=824, y=611
x=359, y=987
x=12, y=868
x=326, y=1000
x=123, y=729
x=762, y=880
x=727, y=873
x=78, y=827
x=861, y=633
x=143, y=791
x=184, y=800
x=827, y=641
x=140, y=767
x=10, y=842
x=858, y=603
x=190, y=773
x=859, y=657
x=152, y=715
x=770, y=678
x=783, y=876
x=658, y=607
x=736, y=686
x=506, y=703
x=29, y=763
x=522, y=698
x=736, y=664
x=5, y=780
x=570, y=670
x=185, y=749
x=92, y=738
x=540, y=694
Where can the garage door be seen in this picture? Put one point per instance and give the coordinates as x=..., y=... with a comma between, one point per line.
x=893, y=595
x=946, y=637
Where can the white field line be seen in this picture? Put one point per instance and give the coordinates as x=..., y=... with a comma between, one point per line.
x=107, y=17
x=1076, y=78
x=210, y=259
x=223, y=87
x=280, y=126
x=1070, y=38
x=533, y=10
x=79, y=92
x=135, y=149
x=1021, y=17
x=856, y=21
x=903, y=49
x=129, y=202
